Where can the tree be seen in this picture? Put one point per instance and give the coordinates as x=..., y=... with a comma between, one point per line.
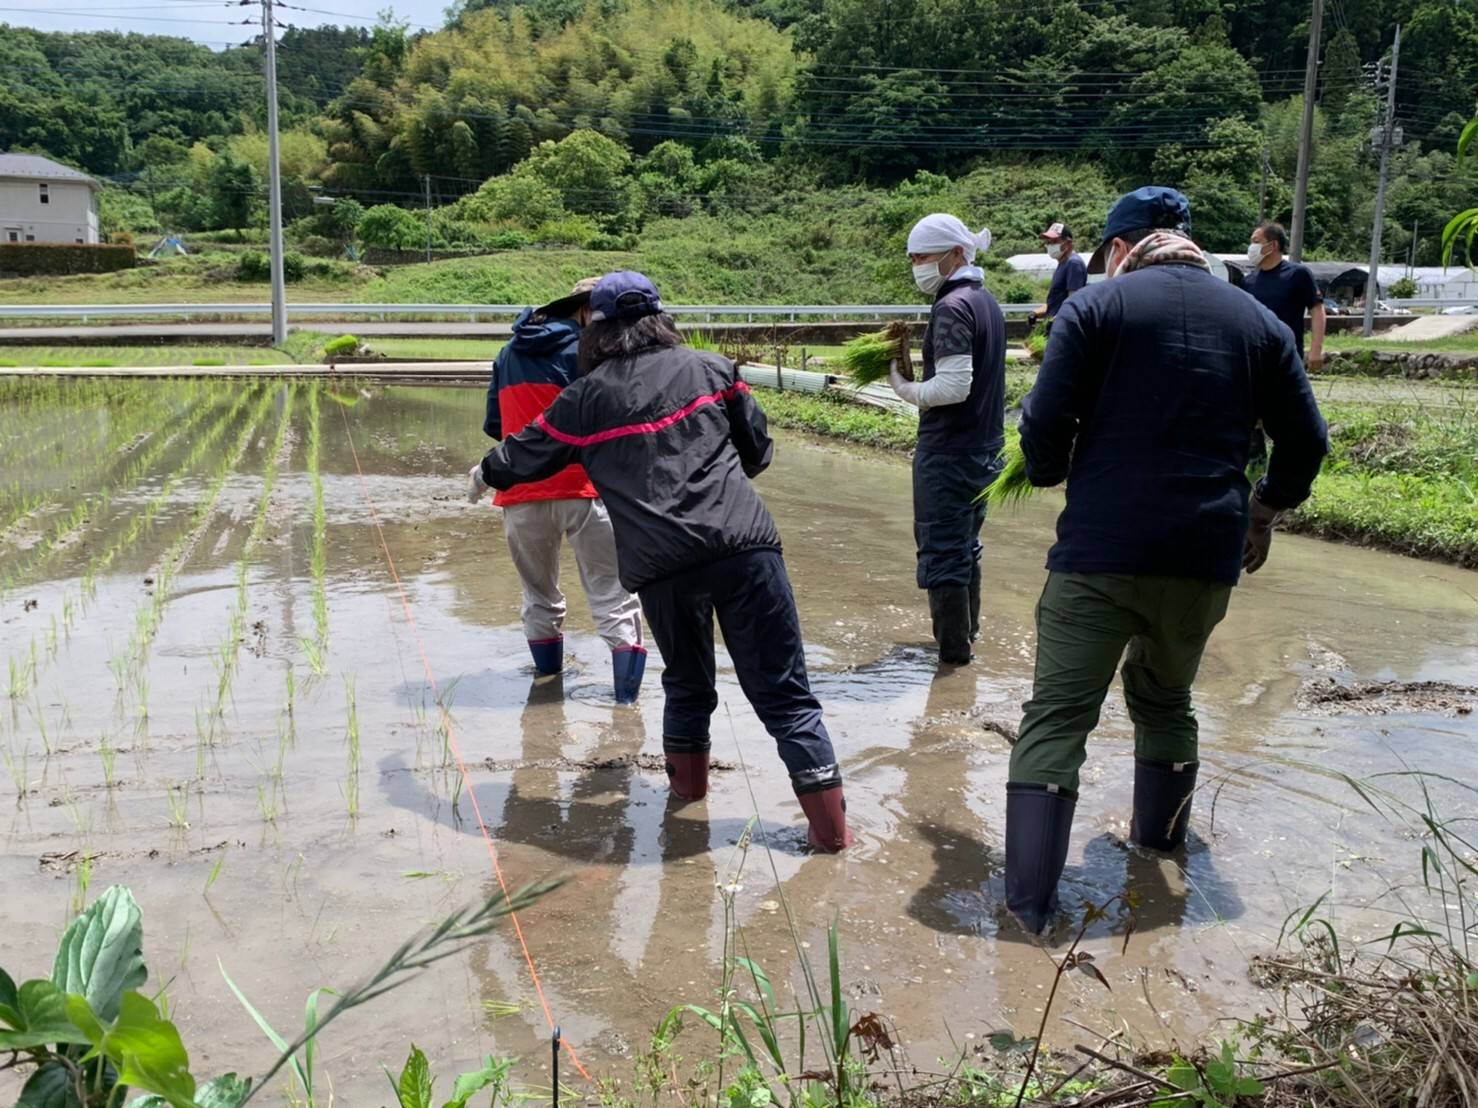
x=392, y=228
x=1341, y=70
x=235, y=192
x=589, y=171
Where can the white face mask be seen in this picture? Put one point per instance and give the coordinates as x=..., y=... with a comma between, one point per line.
x=1054, y=251
x=928, y=278
x=1255, y=253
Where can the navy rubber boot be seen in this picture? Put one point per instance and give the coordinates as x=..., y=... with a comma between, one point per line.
x=1039, y=822
x=628, y=664
x=1162, y=803
x=975, y=602
x=549, y=655
x=949, y=610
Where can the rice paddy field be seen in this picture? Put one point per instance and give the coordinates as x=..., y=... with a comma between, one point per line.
x=263, y=665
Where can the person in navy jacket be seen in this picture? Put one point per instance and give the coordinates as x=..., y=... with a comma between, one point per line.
x=1145, y=406
x=528, y=375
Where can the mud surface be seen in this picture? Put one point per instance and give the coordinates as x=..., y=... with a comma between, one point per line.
x=230, y=814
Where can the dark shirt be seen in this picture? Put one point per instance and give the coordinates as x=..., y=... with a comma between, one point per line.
x=1145, y=404
x=670, y=438
x=1070, y=276
x=967, y=320
x=1288, y=291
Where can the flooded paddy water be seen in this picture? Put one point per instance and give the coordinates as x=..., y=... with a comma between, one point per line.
x=217, y=697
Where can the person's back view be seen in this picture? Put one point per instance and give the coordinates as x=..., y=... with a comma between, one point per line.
x=1145, y=404
x=528, y=375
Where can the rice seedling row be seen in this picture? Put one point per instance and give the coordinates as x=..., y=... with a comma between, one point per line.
x=149, y=616
x=98, y=499
x=316, y=648
x=229, y=649
x=23, y=672
x=126, y=436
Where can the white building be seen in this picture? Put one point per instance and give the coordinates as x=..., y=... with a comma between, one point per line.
x=44, y=201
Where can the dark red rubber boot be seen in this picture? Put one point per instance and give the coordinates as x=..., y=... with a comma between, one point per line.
x=826, y=811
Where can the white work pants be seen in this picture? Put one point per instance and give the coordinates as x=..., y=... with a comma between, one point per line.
x=535, y=532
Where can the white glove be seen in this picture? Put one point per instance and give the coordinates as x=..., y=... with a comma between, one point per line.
x=477, y=488
x=904, y=390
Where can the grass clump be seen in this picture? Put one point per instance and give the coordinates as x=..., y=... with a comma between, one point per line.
x=841, y=418
x=867, y=359
x=342, y=347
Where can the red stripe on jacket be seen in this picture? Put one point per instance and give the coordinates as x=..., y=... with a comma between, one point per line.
x=520, y=405
x=640, y=428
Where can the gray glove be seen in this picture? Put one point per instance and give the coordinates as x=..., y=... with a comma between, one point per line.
x=1259, y=535
x=477, y=488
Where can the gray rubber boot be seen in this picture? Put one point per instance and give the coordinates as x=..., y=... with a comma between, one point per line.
x=1162, y=803
x=949, y=608
x=1039, y=822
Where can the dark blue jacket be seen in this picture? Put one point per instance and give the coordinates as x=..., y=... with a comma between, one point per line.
x=966, y=319
x=1145, y=404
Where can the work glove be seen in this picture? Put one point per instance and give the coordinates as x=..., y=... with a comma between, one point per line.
x=1259, y=535
x=477, y=488
x=903, y=389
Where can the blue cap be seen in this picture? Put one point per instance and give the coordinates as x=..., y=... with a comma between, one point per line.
x=624, y=295
x=1151, y=206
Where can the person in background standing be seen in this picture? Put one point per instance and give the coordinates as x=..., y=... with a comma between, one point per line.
x=1071, y=273
x=1145, y=404
x=962, y=414
x=528, y=374
x=1286, y=289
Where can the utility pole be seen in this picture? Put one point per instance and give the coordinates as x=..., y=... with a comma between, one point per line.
x=1262, y=192
x=274, y=181
x=1306, y=137
x=426, y=177
x=1388, y=138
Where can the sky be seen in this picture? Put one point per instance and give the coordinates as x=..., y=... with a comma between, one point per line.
x=216, y=23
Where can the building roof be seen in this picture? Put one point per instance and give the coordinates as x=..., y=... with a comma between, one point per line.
x=33, y=167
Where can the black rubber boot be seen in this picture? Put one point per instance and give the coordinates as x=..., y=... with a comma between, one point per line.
x=975, y=602
x=1162, y=803
x=949, y=608
x=1039, y=821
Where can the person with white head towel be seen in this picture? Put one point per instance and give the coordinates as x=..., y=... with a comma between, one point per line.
x=961, y=398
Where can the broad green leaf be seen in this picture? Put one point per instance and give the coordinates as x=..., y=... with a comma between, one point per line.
x=8, y=998
x=470, y=1084
x=40, y=1019
x=144, y=1046
x=102, y=953
x=1473, y=980
x=1183, y=1076
x=226, y=1091
x=1247, y=1086
x=148, y=1052
x=414, y=1087
x=49, y=1087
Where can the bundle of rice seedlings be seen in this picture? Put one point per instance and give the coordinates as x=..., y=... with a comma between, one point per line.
x=866, y=359
x=1012, y=485
x=1036, y=345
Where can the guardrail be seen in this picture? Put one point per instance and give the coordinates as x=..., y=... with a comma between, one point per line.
x=706, y=312
x=710, y=313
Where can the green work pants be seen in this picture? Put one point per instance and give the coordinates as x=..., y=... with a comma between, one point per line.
x=1084, y=622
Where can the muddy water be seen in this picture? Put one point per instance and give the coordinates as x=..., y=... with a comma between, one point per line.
x=235, y=832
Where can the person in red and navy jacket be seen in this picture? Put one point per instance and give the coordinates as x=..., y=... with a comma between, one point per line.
x=671, y=439
x=529, y=373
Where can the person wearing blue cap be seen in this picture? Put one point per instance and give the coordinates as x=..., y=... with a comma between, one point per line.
x=671, y=439
x=1145, y=405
